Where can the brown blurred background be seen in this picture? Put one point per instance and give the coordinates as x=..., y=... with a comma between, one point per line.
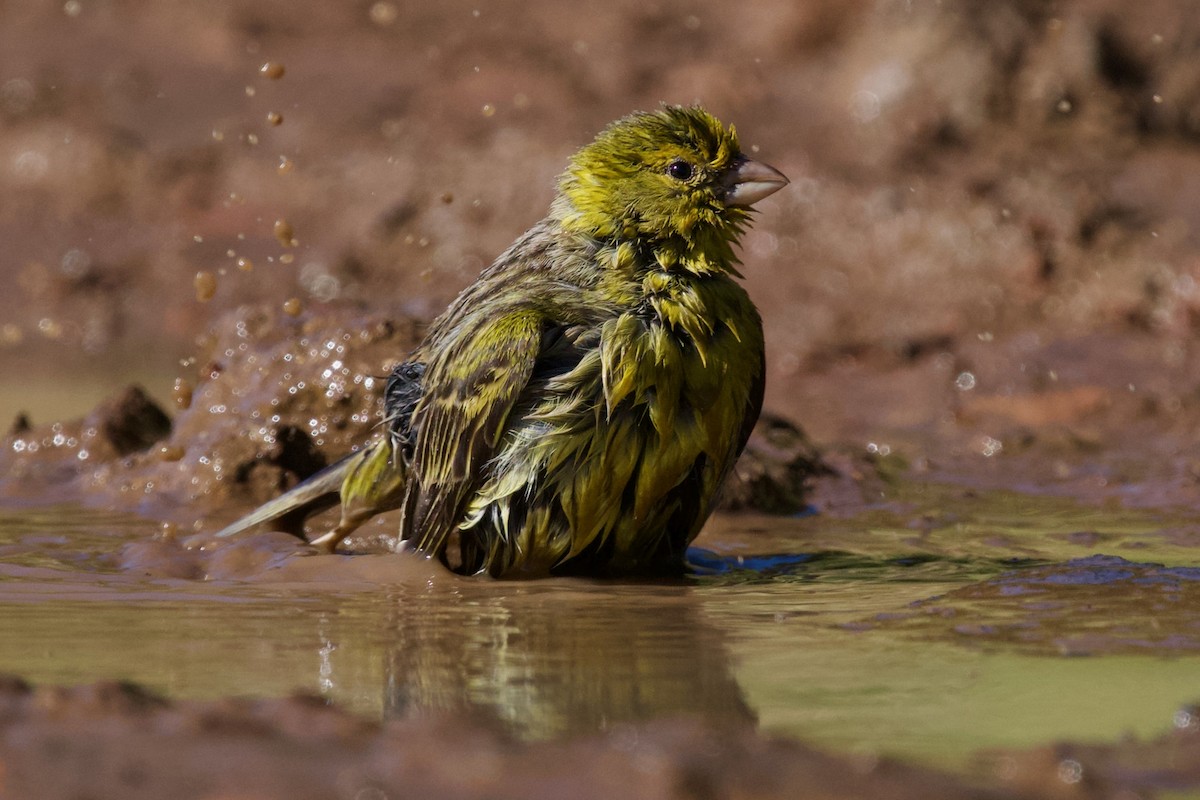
x=985, y=196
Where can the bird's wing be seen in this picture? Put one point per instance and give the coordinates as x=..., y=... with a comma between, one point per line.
x=471, y=385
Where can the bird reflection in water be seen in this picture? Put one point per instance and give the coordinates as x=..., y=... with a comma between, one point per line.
x=561, y=658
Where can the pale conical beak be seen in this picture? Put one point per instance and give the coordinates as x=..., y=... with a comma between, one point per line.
x=749, y=181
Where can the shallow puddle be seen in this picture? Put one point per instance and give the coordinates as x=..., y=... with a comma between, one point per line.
x=941, y=623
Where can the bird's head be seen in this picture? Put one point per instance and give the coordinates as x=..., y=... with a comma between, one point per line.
x=676, y=174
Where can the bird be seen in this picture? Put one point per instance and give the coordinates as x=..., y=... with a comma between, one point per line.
x=577, y=408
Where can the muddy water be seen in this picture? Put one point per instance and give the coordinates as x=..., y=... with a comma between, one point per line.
x=937, y=624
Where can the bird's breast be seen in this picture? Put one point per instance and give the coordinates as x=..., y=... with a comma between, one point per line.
x=682, y=356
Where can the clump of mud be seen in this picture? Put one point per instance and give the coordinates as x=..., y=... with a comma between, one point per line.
x=268, y=400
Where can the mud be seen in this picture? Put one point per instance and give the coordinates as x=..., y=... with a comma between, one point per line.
x=980, y=299
x=119, y=740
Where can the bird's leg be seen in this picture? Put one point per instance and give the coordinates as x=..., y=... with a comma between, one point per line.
x=328, y=542
x=349, y=524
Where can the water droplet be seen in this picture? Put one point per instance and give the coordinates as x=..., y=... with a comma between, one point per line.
x=31, y=165
x=383, y=13
x=320, y=284
x=1070, y=771
x=285, y=233
x=274, y=118
x=245, y=264
x=50, y=328
x=989, y=447
x=181, y=393
x=286, y=166
x=206, y=285
x=169, y=452
x=17, y=95
x=864, y=105
x=272, y=69
x=75, y=263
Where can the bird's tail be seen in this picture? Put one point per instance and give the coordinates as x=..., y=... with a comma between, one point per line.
x=311, y=496
x=366, y=483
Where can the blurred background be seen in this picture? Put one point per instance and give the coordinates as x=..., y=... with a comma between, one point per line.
x=984, y=275
x=986, y=198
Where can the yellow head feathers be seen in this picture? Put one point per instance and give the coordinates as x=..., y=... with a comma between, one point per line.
x=658, y=175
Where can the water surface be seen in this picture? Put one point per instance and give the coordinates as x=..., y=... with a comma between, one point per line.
x=938, y=624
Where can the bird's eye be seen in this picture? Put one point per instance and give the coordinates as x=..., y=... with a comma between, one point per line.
x=680, y=170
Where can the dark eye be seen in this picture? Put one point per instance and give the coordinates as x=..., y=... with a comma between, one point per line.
x=680, y=170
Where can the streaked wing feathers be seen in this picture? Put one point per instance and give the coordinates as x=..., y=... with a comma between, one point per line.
x=471, y=387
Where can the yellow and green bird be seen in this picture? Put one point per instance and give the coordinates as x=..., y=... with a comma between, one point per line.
x=576, y=409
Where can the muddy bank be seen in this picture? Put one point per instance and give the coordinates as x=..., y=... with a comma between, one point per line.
x=267, y=398
x=112, y=740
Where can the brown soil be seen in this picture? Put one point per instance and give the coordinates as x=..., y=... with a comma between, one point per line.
x=117, y=740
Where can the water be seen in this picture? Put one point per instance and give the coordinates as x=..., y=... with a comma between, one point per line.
x=937, y=625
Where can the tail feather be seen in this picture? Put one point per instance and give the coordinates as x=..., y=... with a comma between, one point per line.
x=366, y=483
x=311, y=496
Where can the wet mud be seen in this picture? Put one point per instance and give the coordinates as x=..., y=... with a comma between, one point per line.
x=959, y=558
x=120, y=740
